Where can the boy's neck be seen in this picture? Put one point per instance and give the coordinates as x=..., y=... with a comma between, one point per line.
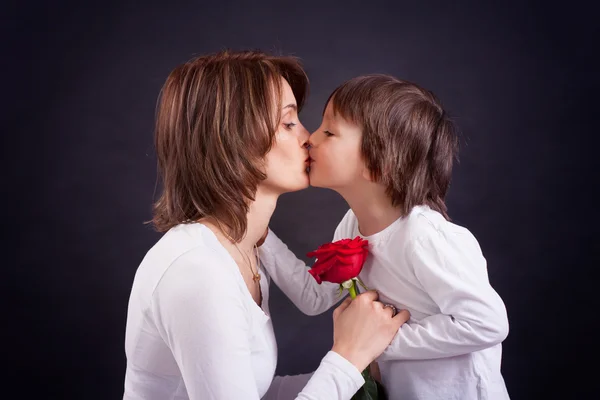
x=373, y=208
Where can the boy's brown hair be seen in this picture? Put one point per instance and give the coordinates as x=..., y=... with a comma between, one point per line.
x=408, y=143
x=216, y=120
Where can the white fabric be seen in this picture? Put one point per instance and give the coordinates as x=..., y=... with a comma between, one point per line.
x=451, y=346
x=194, y=331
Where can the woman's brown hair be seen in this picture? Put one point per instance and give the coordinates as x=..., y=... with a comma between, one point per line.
x=216, y=120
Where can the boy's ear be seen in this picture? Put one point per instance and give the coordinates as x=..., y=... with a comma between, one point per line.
x=366, y=174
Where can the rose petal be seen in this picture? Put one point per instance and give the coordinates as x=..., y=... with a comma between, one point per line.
x=341, y=273
x=339, y=261
x=321, y=266
x=318, y=252
x=316, y=276
x=349, y=250
x=324, y=258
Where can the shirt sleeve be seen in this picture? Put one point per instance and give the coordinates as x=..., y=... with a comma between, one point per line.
x=335, y=379
x=291, y=275
x=472, y=315
x=202, y=317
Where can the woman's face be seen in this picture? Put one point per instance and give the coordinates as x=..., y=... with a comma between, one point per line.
x=336, y=162
x=287, y=162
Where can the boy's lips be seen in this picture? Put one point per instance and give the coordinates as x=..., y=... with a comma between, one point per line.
x=307, y=164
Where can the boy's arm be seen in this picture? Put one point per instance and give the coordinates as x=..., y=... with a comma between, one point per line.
x=291, y=276
x=472, y=315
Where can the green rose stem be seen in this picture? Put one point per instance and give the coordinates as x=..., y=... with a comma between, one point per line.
x=353, y=290
x=370, y=390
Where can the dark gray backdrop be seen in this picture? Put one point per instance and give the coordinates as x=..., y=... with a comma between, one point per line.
x=81, y=83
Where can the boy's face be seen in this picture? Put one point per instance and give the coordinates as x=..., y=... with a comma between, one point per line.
x=337, y=162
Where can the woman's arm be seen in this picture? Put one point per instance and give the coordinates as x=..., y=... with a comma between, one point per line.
x=336, y=379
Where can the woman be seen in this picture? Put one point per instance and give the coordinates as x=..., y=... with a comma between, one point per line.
x=229, y=142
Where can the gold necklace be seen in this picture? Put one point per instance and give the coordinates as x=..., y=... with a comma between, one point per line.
x=255, y=275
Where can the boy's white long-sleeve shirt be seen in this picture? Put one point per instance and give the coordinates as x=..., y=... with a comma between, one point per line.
x=451, y=346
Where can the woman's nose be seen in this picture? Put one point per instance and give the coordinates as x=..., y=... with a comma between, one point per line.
x=304, y=138
x=309, y=143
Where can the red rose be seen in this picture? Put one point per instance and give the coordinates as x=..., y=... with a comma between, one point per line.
x=339, y=261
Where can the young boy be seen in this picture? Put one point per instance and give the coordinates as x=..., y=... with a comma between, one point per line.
x=387, y=147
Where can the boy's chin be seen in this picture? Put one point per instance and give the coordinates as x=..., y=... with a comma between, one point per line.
x=316, y=182
x=318, y=185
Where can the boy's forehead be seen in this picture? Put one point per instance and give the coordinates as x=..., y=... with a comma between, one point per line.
x=342, y=125
x=332, y=114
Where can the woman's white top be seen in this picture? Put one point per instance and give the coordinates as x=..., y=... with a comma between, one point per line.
x=195, y=332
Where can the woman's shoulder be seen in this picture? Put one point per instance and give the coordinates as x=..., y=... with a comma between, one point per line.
x=188, y=254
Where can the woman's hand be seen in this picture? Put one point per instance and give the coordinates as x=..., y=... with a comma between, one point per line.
x=363, y=328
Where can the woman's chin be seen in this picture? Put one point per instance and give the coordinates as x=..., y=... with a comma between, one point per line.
x=304, y=182
x=300, y=184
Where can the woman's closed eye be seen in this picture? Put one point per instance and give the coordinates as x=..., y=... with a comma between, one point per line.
x=289, y=126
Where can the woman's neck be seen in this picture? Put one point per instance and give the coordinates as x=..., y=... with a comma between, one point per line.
x=258, y=217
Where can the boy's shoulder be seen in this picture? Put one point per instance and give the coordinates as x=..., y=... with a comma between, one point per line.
x=425, y=224
x=422, y=221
